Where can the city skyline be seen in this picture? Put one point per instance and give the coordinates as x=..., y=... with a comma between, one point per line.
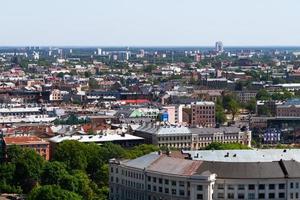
x=135, y=23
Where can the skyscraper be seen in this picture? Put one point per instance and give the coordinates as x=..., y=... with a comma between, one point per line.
x=219, y=47
x=99, y=52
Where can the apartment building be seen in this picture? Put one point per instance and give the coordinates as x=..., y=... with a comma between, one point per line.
x=208, y=175
x=203, y=114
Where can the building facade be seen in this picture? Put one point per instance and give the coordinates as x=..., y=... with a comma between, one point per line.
x=203, y=114
x=213, y=175
x=177, y=136
x=33, y=142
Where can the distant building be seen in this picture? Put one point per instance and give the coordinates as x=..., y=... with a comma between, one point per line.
x=245, y=96
x=99, y=52
x=177, y=136
x=203, y=114
x=219, y=47
x=291, y=108
x=272, y=136
x=123, y=139
x=32, y=142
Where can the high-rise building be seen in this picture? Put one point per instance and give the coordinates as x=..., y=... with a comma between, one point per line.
x=99, y=52
x=219, y=47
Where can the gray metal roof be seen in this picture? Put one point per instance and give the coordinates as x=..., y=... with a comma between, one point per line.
x=142, y=162
x=234, y=170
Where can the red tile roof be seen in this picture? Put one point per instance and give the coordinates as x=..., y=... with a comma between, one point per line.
x=23, y=140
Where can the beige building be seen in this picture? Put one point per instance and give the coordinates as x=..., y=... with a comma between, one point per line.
x=177, y=136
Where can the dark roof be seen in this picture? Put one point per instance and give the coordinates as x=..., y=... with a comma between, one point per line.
x=293, y=168
x=230, y=170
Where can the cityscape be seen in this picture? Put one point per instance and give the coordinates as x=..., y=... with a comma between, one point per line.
x=115, y=111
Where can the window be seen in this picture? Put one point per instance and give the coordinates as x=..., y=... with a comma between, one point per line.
x=271, y=195
x=159, y=189
x=166, y=182
x=292, y=185
x=199, y=196
x=251, y=196
x=251, y=187
x=154, y=179
x=241, y=196
x=173, y=183
x=261, y=195
x=281, y=186
x=230, y=195
x=199, y=187
x=220, y=196
x=241, y=187
x=281, y=195
x=220, y=186
x=167, y=190
x=160, y=180
x=111, y=169
x=174, y=191
x=261, y=186
x=181, y=184
x=149, y=178
x=297, y=185
x=271, y=186
x=230, y=187
x=181, y=192
x=154, y=188
x=149, y=187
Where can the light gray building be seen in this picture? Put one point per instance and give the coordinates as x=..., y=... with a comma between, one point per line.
x=209, y=175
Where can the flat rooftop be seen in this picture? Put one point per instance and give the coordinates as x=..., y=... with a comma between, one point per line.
x=23, y=140
x=260, y=155
x=95, y=138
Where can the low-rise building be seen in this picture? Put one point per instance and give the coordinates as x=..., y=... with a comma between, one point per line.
x=177, y=136
x=28, y=141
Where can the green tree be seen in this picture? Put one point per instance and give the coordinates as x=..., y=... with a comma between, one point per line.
x=227, y=146
x=52, y=192
x=52, y=173
x=7, y=172
x=220, y=113
x=264, y=110
x=233, y=108
x=251, y=105
x=72, y=153
x=28, y=167
x=93, y=83
x=263, y=95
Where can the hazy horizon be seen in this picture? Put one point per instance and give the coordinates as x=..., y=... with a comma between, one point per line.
x=141, y=23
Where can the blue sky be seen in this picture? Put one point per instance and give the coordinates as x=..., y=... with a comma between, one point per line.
x=149, y=22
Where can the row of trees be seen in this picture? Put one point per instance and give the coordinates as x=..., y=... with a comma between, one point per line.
x=71, y=120
x=77, y=171
x=227, y=146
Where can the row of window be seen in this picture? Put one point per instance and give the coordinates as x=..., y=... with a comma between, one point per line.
x=280, y=186
x=250, y=196
x=174, y=138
